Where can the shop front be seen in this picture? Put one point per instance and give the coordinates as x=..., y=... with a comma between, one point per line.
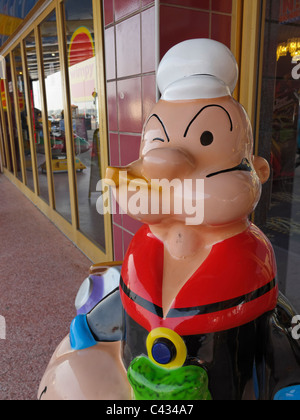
x=80, y=82
x=278, y=138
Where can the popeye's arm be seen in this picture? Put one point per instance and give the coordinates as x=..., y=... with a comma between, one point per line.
x=104, y=323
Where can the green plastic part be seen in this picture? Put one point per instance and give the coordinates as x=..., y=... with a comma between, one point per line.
x=152, y=382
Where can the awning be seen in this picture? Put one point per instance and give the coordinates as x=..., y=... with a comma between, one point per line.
x=12, y=14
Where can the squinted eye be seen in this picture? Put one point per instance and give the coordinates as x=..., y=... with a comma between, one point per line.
x=207, y=138
x=158, y=139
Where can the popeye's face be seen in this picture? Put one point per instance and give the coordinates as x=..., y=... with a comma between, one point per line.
x=209, y=140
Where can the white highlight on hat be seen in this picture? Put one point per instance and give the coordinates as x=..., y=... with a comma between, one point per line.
x=197, y=69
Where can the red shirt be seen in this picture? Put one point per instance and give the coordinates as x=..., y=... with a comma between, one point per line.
x=235, y=285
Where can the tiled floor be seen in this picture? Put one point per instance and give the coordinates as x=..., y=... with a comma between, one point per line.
x=40, y=273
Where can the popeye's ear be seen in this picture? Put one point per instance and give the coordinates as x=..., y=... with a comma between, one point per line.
x=262, y=168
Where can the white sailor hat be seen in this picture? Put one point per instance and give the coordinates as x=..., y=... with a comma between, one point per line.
x=197, y=69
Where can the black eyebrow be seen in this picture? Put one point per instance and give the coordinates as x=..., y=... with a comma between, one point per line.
x=209, y=106
x=163, y=126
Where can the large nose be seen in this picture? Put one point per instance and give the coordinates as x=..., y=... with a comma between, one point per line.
x=167, y=163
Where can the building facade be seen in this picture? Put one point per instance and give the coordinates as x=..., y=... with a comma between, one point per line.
x=78, y=81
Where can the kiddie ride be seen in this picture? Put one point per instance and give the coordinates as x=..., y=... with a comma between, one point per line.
x=196, y=313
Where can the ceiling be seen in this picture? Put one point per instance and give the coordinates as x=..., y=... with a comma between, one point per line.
x=12, y=13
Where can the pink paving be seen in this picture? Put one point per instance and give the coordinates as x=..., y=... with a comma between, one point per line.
x=40, y=273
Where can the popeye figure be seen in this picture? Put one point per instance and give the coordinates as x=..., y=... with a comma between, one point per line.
x=198, y=314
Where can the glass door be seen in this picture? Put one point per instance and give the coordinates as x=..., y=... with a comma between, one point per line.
x=82, y=69
x=278, y=213
x=55, y=116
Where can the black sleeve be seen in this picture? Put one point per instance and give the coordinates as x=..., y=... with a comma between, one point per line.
x=278, y=356
x=106, y=320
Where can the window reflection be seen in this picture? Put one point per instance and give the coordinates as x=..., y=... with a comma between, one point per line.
x=34, y=87
x=85, y=113
x=15, y=137
x=2, y=153
x=6, y=138
x=279, y=212
x=53, y=85
x=23, y=116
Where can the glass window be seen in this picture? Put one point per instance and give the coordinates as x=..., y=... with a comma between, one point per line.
x=85, y=113
x=4, y=123
x=23, y=115
x=35, y=98
x=53, y=86
x=279, y=141
x=2, y=153
x=15, y=137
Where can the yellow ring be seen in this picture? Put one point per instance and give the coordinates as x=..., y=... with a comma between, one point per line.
x=181, y=351
x=80, y=30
